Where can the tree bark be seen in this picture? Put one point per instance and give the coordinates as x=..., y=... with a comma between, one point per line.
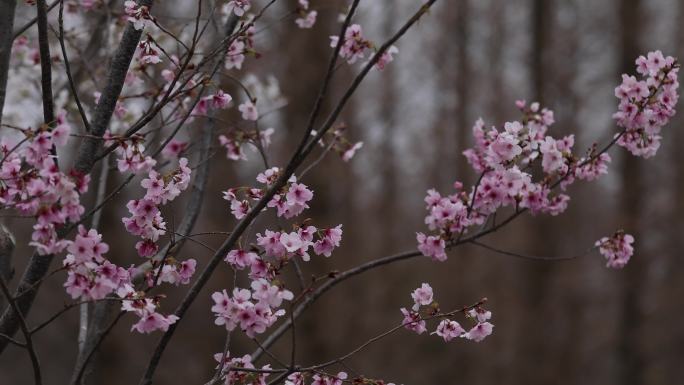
x=7, y=8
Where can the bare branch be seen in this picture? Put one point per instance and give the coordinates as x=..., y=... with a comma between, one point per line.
x=25, y=330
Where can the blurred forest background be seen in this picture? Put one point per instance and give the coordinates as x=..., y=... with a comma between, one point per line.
x=568, y=322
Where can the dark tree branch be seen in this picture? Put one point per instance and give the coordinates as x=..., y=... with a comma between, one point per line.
x=67, y=69
x=6, y=249
x=45, y=63
x=25, y=330
x=110, y=94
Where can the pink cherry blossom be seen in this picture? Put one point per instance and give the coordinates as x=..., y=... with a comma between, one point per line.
x=386, y=57
x=431, y=246
x=412, y=321
x=354, y=46
x=235, y=55
x=479, y=332
x=240, y=258
x=449, y=330
x=154, y=321
x=422, y=296
x=617, y=249
x=249, y=111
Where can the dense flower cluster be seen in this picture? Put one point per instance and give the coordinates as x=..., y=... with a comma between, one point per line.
x=617, y=249
x=146, y=308
x=32, y=184
x=447, y=328
x=131, y=152
x=289, y=202
x=257, y=310
x=506, y=159
x=355, y=46
x=236, y=377
x=146, y=220
x=299, y=378
x=90, y=276
x=253, y=311
x=647, y=105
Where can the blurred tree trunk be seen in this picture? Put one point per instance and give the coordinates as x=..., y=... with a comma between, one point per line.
x=672, y=286
x=7, y=8
x=463, y=172
x=542, y=238
x=496, y=67
x=388, y=207
x=631, y=360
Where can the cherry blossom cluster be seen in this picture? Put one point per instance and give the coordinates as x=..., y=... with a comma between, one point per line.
x=242, y=45
x=172, y=272
x=355, y=46
x=139, y=15
x=506, y=159
x=218, y=101
x=146, y=308
x=90, y=276
x=237, y=377
x=274, y=249
x=306, y=18
x=289, y=202
x=146, y=220
x=447, y=328
x=32, y=184
x=617, y=249
x=284, y=245
x=131, y=152
x=299, y=378
x=647, y=105
x=147, y=53
x=167, y=271
x=253, y=311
